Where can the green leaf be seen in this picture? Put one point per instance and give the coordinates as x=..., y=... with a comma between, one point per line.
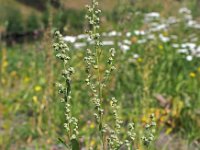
x=75, y=144
x=62, y=141
x=100, y=126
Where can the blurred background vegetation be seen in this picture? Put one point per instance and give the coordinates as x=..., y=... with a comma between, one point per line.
x=23, y=16
x=31, y=116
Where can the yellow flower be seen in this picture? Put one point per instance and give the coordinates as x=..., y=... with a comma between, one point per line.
x=139, y=60
x=198, y=69
x=160, y=47
x=163, y=119
x=38, y=88
x=92, y=125
x=5, y=64
x=144, y=119
x=192, y=74
x=26, y=79
x=168, y=131
x=35, y=99
x=92, y=143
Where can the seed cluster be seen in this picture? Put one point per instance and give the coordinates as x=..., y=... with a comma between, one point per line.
x=113, y=141
x=149, y=131
x=62, y=50
x=110, y=68
x=92, y=58
x=96, y=81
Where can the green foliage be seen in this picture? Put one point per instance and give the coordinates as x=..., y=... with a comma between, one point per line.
x=194, y=5
x=76, y=19
x=32, y=23
x=159, y=80
x=72, y=18
x=60, y=20
x=41, y=4
x=15, y=23
x=75, y=144
x=45, y=18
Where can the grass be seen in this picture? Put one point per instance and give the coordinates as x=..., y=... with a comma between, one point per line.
x=159, y=81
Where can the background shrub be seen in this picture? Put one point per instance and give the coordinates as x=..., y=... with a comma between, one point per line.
x=69, y=17
x=32, y=23
x=15, y=22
